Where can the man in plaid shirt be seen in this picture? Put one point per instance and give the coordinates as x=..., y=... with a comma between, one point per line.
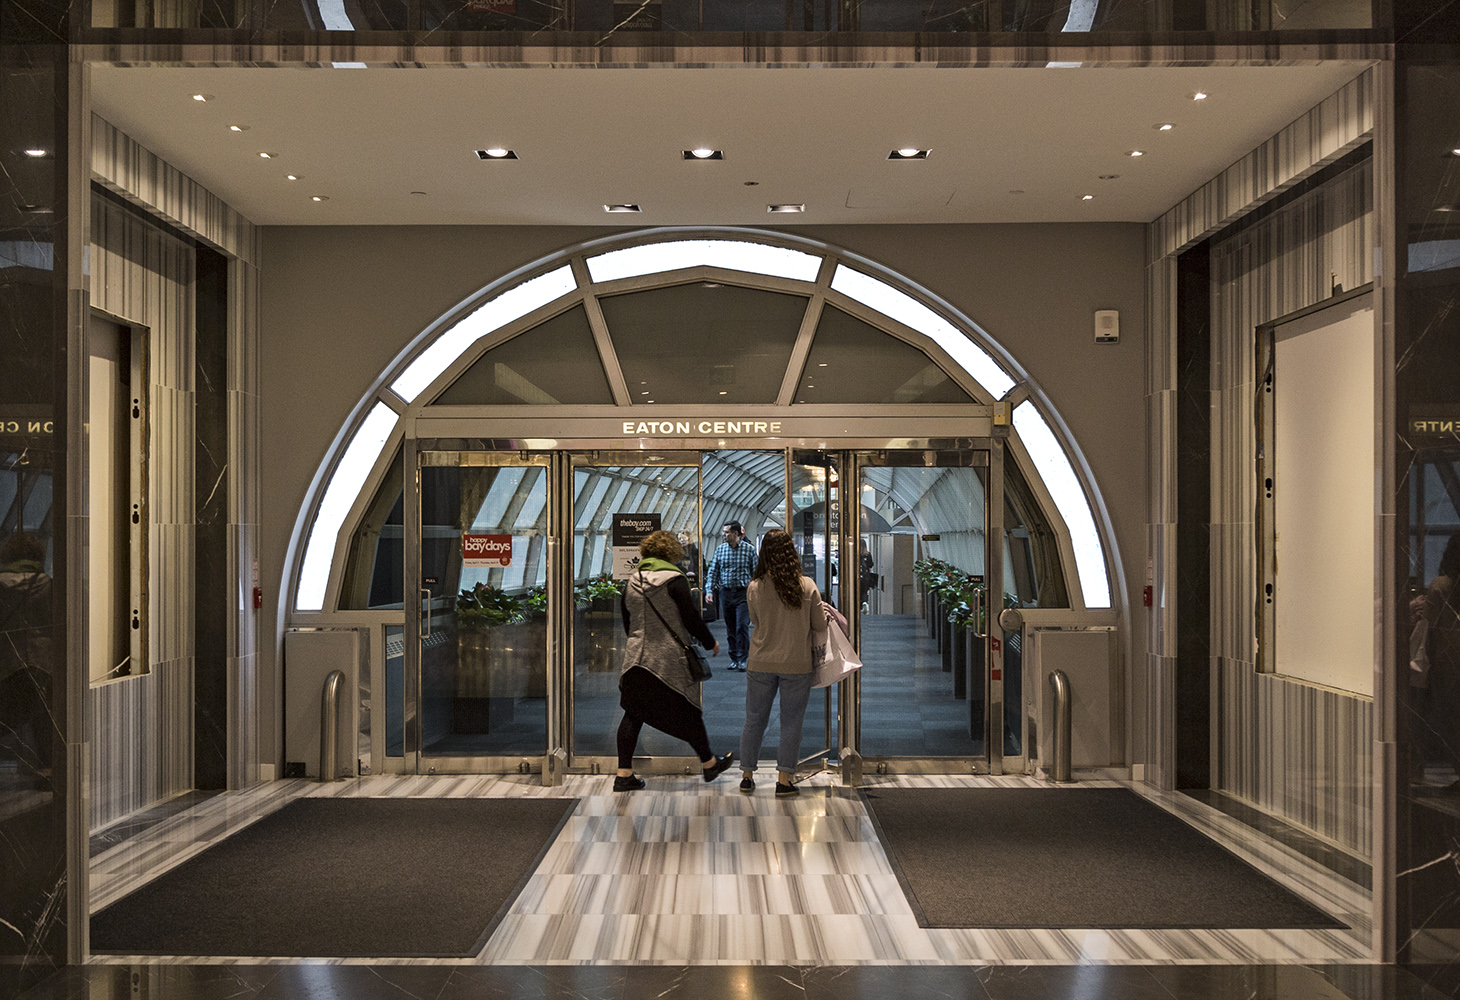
x=729, y=574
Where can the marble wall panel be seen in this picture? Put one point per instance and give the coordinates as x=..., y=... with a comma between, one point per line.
x=141, y=727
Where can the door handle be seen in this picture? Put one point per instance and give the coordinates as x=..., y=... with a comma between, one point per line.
x=427, y=634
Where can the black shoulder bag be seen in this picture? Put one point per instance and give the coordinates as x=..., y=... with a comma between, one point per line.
x=699, y=663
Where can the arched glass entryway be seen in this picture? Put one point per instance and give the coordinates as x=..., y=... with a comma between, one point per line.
x=755, y=355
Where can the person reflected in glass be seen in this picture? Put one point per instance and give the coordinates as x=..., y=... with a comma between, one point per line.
x=656, y=687
x=26, y=729
x=785, y=607
x=726, y=581
x=1441, y=609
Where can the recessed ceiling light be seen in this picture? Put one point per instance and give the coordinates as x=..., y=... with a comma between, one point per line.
x=724, y=391
x=614, y=209
x=1017, y=191
x=1163, y=126
x=238, y=128
x=785, y=209
x=320, y=197
x=704, y=153
x=35, y=154
x=909, y=153
x=821, y=365
x=496, y=153
x=294, y=177
x=1455, y=152
x=751, y=184
x=1198, y=96
x=1087, y=197
x=1136, y=152
x=418, y=192
x=204, y=98
x=268, y=156
x=1109, y=177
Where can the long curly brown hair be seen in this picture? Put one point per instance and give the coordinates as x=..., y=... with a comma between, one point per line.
x=778, y=560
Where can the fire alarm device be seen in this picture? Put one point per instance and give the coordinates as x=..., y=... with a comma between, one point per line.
x=1107, y=326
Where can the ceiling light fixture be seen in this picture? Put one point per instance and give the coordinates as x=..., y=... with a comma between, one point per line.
x=704, y=153
x=1198, y=96
x=238, y=128
x=1136, y=152
x=203, y=98
x=785, y=209
x=1163, y=126
x=268, y=156
x=1455, y=152
x=1087, y=197
x=496, y=153
x=35, y=154
x=615, y=209
x=751, y=184
x=1109, y=177
x=294, y=177
x=320, y=197
x=909, y=153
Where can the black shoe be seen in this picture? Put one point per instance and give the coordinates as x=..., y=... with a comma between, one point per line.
x=784, y=791
x=721, y=765
x=632, y=783
x=747, y=785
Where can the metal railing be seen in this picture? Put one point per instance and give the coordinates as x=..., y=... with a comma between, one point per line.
x=1061, y=750
x=329, y=715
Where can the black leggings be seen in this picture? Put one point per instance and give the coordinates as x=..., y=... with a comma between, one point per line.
x=648, y=701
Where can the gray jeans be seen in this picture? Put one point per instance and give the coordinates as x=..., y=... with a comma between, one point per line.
x=760, y=692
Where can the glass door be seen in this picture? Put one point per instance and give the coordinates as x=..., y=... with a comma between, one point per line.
x=480, y=555
x=917, y=580
x=618, y=497
x=813, y=486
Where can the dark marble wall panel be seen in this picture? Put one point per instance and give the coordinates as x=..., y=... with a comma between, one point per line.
x=34, y=730
x=1426, y=290
x=211, y=574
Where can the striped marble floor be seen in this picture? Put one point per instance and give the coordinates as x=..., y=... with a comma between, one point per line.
x=684, y=873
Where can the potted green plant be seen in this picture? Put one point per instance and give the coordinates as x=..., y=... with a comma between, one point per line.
x=599, y=597
x=480, y=611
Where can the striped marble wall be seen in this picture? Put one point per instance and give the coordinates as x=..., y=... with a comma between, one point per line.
x=1287, y=264
x=142, y=738
x=1299, y=751
x=140, y=728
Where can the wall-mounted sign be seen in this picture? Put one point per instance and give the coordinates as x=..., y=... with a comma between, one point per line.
x=627, y=532
x=486, y=550
x=718, y=428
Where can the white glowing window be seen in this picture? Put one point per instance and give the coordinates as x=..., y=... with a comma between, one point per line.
x=490, y=316
x=1064, y=488
x=913, y=314
x=733, y=255
x=343, y=489
x=332, y=13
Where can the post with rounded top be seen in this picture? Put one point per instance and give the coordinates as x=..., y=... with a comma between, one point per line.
x=329, y=713
x=1061, y=770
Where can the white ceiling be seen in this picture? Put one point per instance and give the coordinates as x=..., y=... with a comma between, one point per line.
x=368, y=138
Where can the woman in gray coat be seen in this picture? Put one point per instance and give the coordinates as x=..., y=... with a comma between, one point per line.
x=656, y=687
x=784, y=609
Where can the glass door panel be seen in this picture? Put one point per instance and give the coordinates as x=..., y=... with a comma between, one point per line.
x=815, y=502
x=609, y=485
x=483, y=623
x=921, y=561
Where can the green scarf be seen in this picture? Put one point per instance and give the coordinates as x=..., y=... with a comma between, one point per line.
x=650, y=564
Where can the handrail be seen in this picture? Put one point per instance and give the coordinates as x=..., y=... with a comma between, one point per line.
x=329, y=713
x=1061, y=685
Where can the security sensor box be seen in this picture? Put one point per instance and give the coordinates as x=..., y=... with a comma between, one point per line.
x=1107, y=326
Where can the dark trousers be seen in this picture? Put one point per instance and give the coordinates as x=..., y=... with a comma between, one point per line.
x=737, y=621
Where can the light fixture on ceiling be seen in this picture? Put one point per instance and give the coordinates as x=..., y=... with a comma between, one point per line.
x=1455, y=152
x=787, y=209
x=1163, y=126
x=617, y=209
x=751, y=184
x=1136, y=152
x=319, y=197
x=238, y=128
x=293, y=177
x=724, y=392
x=418, y=192
x=1109, y=177
x=909, y=153
x=496, y=153
x=1199, y=95
x=202, y=98
x=703, y=153
x=1087, y=197
x=267, y=156
x=36, y=153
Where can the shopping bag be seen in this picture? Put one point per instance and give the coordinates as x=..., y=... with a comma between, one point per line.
x=838, y=662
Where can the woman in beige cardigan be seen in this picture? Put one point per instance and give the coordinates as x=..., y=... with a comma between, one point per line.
x=784, y=609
